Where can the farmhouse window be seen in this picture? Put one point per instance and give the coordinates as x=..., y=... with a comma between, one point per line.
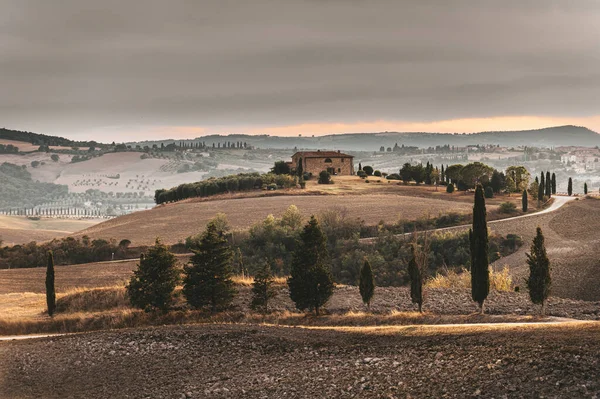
x=327, y=160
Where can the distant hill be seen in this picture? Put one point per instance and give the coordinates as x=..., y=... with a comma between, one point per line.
x=548, y=137
x=43, y=139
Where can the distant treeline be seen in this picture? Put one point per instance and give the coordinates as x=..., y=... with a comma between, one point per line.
x=43, y=140
x=8, y=149
x=227, y=184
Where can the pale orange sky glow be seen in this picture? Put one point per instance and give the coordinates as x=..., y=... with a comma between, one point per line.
x=470, y=125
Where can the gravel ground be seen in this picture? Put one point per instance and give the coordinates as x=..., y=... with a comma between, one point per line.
x=235, y=361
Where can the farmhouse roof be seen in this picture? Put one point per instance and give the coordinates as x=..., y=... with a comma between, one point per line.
x=322, y=154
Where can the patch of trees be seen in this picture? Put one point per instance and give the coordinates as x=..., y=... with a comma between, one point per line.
x=42, y=139
x=227, y=184
x=19, y=189
x=8, y=149
x=65, y=251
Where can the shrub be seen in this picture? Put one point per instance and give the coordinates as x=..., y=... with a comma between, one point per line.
x=393, y=176
x=508, y=207
x=368, y=170
x=450, y=188
x=307, y=175
x=377, y=173
x=361, y=174
x=271, y=186
x=324, y=177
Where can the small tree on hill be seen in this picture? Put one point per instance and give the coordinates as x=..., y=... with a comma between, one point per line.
x=585, y=189
x=450, y=188
x=50, y=292
x=478, y=237
x=310, y=281
x=262, y=289
x=368, y=170
x=524, y=201
x=153, y=283
x=570, y=187
x=366, y=285
x=281, y=168
x=548, y=185
x=539, y=281
x=553, y=183
x=207, y=278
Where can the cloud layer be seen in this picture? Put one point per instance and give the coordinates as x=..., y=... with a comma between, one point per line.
x=75, y=67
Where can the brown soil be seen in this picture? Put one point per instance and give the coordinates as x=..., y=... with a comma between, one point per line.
x=237, y=361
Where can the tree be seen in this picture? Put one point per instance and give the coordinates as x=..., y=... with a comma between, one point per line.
x=54, y=157
x=450, y=188
x=368, y=170
x=418, y=173
x=539, y=281
x=310, y=281
x=435, y=177
x=324, y=177
x=50, y=292
x=480, y=278
x=207, y=278
x=553, y=184
x=476, y=173
x=417, y=267
x=585, y=188
x=489, y=192
x=366, y=284
x=510, y=184
x=520, y=176
x=281, y=168
x=262, y=289
x=570, y=187
x=548, y=185
x=360, y=166
x=540, y=195
x=498, y=181
x=524, y=201
x=153, y=283
x=406, y=173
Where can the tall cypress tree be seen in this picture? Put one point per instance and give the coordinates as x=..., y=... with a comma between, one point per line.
x=548, y=185
x=570, y=187
x=366, y=284
x=310, y=281
x=524, y=200
x=541, y=188
x=553, y=183
x=50, y=292
x=207, y=278
x=416, y=280
x=539, y=281
x=585, y=188
x=480, y=277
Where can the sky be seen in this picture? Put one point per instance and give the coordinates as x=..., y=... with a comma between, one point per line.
x=144, y=69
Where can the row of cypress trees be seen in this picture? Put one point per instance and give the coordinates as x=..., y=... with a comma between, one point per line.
x=208, y=280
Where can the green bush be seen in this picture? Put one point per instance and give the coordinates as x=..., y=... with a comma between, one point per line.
x=368, y=170
x=489, y=192
x=377, y=173
x=361, y=174
x=450, y=188
x=508, y=207
x=324, y=177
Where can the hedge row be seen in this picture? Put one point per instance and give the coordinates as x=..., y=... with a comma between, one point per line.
x=227, y=184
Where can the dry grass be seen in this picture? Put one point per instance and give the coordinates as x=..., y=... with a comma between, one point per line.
x=499, y=280
x=21, y=230
x=247, y=281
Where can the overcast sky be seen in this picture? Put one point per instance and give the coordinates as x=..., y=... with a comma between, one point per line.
x=129, y=69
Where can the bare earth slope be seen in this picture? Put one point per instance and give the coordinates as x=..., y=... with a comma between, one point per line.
x=237, y=361
x=21, y=230
x=175, y=222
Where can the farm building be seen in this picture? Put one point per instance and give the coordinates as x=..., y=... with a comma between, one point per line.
x=335, y=162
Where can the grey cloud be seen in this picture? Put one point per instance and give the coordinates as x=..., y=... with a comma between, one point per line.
x=72, y=66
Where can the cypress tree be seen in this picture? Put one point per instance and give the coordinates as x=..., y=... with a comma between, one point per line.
x=585, y=189
x=416, y=280
x=366, y=285
x=262, y=289
x=539, y=281
x=478, y=235
x=548, y=185
x=553, y=184
x=524, y=201
x=153, y=283
x=50, y=292
x=310, y=281
x=442, y=174
x=570, y=187
x=207, y=278
x=541, y=188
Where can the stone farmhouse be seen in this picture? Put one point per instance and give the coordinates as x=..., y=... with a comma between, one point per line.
x=335, y=162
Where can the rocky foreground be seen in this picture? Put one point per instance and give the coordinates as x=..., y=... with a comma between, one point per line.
x=242, y=361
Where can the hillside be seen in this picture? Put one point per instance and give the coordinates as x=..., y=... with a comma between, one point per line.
x=37, y=139
x=19, y=189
